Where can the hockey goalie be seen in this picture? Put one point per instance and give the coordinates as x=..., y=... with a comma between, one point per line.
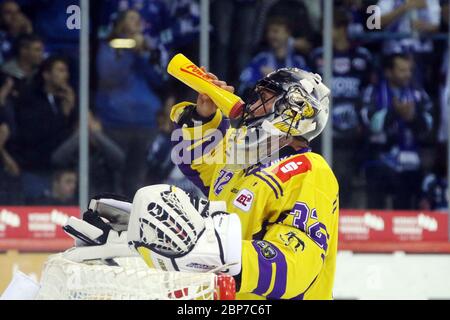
x=270, y=213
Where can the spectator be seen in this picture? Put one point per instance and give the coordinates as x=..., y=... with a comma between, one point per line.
x=357, y=10
x=10, y=187
x=398, y=115
x=352, y=70
x=106, y=158
x=414, y=19
x=127, y=100
x=279, y=54
x=410, y=17
x=155, y=15
x=155, y=23
x=45, y=117
x=30, y=54
x=6, y=170
x=63, y=190
x=169, y=25
x=184, y=28
x=303, y=17
x=435, y=185
x=50, y=20
x=13, y=23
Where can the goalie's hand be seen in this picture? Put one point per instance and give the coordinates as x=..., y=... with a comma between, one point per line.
x=171, y=234
x=102, y=231
x=107, y=216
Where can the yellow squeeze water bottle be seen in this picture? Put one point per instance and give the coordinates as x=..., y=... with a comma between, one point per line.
x=187, y=72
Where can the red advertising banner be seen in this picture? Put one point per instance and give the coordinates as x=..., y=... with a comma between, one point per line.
x=35, y=228
x=392, y=226
x=39, y=229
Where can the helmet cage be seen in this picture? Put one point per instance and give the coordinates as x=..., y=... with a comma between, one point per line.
x=299, y=108
x=292, y=104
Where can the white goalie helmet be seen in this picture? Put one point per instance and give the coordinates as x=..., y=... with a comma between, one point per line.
x=298, y=107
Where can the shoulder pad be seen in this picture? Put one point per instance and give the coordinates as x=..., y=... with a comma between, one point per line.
x=178, y=109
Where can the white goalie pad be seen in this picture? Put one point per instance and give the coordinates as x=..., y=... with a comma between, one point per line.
x=172, y=235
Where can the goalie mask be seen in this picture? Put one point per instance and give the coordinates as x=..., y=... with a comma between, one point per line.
x=287, y=103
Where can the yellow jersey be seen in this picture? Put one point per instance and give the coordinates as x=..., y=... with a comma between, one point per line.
x=289, y=210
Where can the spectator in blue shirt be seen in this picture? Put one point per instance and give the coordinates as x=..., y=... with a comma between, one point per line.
x=127, y=100
x=398, y=114
x=415, y=19
x=184, y=29
x=154, y=13
x=169, y=25
x=409, y=17
x=280, y=54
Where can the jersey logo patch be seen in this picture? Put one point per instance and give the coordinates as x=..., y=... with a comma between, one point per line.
x=292, y=167
x=244, y=200
x=266, y=250
x=291, y=240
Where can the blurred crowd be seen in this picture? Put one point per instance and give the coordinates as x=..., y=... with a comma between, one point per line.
x=390, y=92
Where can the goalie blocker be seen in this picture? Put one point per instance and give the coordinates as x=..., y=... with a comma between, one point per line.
x=170, y=229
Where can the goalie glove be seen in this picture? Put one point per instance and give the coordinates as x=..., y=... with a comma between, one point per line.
x=101, y=234
x=171, y=234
